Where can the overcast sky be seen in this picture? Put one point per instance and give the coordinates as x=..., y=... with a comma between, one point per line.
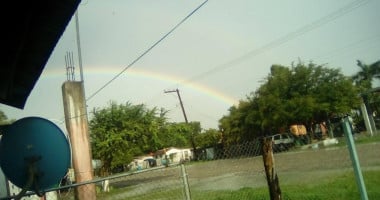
x=216, y=57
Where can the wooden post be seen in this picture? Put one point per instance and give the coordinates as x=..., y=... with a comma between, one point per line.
x=272, y=178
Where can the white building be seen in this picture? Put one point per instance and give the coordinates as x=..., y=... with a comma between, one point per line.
x=174, y=155
x=141, y=162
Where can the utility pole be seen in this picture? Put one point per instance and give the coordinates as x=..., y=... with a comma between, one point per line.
x=183, y=169
x=75, y=109
x=180, y=101
x=184, y=115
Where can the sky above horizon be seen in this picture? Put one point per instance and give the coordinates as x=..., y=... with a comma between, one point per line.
x=217, y=57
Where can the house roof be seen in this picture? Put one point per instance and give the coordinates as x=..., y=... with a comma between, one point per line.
x=32, y=30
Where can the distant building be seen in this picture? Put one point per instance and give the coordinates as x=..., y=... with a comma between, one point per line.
x=142, y=162
x=173, y=155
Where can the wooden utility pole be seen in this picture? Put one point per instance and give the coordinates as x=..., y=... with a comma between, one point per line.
x=184, y=115
x=270, y=172
x=180, y=101
x=183, y=169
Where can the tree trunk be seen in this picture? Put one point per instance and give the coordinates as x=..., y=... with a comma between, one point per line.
x=272, y=178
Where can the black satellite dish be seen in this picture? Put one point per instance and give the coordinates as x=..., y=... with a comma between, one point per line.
x=34, y=154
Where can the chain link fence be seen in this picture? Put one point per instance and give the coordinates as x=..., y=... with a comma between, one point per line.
x=321, y=170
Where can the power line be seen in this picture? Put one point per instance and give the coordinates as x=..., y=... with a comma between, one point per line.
x=146, y=51
x=351, y=46
x=288, y=37
x=275, y=43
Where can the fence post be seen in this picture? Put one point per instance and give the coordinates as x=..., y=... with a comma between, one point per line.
x=354, y=159
x=185, y=182
x=272, y=178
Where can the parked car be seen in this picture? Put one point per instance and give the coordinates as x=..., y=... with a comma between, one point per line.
x=282, y=142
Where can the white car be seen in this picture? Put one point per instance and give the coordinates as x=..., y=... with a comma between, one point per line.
x=282, y=142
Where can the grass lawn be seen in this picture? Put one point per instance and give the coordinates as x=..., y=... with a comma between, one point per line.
x=342, y=187
x=339, y=188
x=368, y=139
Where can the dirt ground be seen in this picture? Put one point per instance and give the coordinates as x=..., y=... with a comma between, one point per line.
x=309, y=165
x=292, y=167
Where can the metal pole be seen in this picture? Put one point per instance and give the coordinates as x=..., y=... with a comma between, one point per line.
x=366, y=119
x=78, y=44
x=354, y=159
x=185, y=182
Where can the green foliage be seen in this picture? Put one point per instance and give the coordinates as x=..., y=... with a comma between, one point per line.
x=366, y=75
x=363, y=80
x=300, y=94
x=176, y=135
x=121, y=132
x=208, y=138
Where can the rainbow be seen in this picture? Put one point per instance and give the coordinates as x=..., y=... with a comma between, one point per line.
x=113, y=71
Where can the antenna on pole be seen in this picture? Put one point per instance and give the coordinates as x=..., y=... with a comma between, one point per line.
x=70, y=69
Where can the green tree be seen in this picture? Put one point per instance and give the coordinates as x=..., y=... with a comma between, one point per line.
x=208, y=138
x=175, y=135
x=305, y=94
x=299, y=94
x=366, y=75
x=242, y=124
x=194, y=130
x=121, y=132
x=230, y=126
x=363, y=80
